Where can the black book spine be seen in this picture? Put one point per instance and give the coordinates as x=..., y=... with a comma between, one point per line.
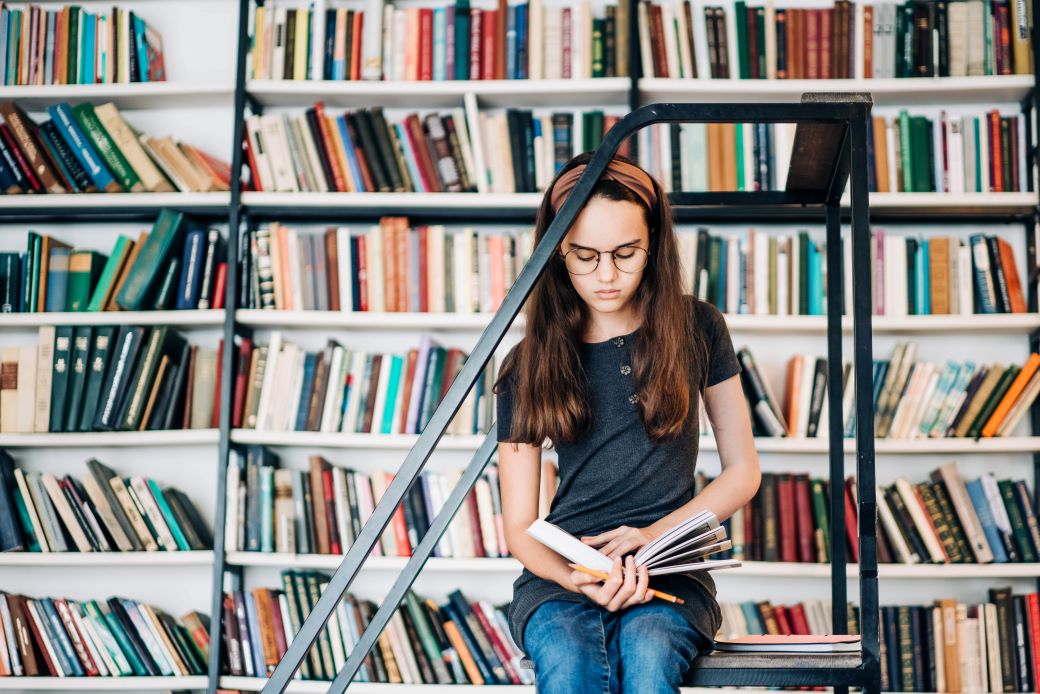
x=527, y=123
x=80, y=178
x=381, y=130
x=516, y=149
x=323, y=155
x=370, y=147
x=60, y=379
x=180, y=385
x=99, y=361
x=120, y=613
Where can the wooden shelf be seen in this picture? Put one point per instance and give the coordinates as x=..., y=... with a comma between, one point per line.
x=106, y=205
x=815, y=446
x=115, y=560
x=180, y=319
x=112, y=439
x=98, y=684
x=1008, y=323
x=443, y=94
x=1009, y=89
x=509, y=567
x=132, y=95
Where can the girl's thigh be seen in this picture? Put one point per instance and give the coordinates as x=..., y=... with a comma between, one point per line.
x=571, y=649
x=656, y=646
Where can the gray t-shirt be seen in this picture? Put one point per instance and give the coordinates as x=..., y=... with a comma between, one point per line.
x=616, y=476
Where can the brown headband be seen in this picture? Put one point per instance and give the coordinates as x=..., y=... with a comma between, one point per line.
x=628, y=175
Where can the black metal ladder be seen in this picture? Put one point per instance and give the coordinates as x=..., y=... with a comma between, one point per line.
x=830, y=150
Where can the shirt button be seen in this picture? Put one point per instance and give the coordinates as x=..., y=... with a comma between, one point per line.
x=633, y=398
x=619, y=341
x=626, y=370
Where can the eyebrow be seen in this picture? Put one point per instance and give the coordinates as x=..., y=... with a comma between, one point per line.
x=590, y=248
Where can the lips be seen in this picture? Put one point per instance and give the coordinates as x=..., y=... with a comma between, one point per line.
x=606, y=294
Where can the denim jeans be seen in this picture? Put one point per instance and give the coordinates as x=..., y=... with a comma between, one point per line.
x=582, y=647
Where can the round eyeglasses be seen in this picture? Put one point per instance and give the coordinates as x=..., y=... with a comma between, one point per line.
x=629, y=259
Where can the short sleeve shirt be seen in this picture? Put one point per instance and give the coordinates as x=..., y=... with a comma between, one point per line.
x=615, y=475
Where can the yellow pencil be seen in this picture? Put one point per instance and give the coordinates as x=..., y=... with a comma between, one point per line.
x=601, y=574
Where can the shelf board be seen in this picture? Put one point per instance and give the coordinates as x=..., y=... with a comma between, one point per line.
x=763, y=444
x=112, y=439
x=133, y=95
x=1016, y=323
x=97, y=684
x=886, y=92
x=511, y=567
x=111, y=205
x=106, y=559
x=442, y=94
x=181, y=319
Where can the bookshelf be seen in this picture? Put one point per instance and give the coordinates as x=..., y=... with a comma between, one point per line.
x=206, y=105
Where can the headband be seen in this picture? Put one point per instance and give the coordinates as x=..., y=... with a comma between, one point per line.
x=628, y=175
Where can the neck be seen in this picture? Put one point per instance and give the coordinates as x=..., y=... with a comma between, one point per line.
x=603, y=326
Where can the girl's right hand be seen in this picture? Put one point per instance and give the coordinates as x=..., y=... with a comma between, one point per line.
x=624, y=587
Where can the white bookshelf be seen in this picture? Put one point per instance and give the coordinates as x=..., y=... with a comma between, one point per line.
x=214, y=202
x=207, y=318
x=127, y=95
x=111, y=439
x=886, y=92
x=108, y=560
x=101, y=684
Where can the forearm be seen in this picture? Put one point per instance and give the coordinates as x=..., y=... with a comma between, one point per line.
x=723, y=496
x=540, y=560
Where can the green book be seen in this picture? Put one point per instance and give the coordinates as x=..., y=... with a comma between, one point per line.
x=819, y=504
x=427, y=638
x=1018, y=523
x=82, y=337
x=60, y=377
x=164, y=298
x=171, y=521
x=124, y=641
x=33, y=278
x=99, y=355
x=296, y=617
x=738, y=135
x=72, y=66
x=740, y=17
x=393, y=384
x=107, y=148
x=434, y=380
x=161, y=340
x=598, y=68
x=84, y=270
x=23, y=515
x=166, y=236
x=108, y=641
x=110, y=273
x=803, y=272
x=905, y=156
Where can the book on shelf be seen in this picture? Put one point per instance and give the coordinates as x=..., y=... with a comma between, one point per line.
x=279, y=386
x=955, y=150
x=913, y=399
x=943, y=519
x=366, y=150
x=69, y=45
x=457, y=641
x=839, y=40
x=88, y=149
x=680, y=549
x=108, y=378
x=945, y=646
x=102, y=512
x=392, y=266
x=189, y=272
x=117, y=637
x=322, y=509
x=446, y=41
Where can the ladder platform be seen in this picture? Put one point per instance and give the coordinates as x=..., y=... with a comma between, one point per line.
x=721, y=668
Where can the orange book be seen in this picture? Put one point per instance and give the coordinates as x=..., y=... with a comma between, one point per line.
x=1012, y=394
x=794, y=377
x=409, y=375
x=868, y=43
x=404, y=546
x=282, y=239
x=455, y=638
x=355, y=48
x=111, y=304
x=328, y=142
x=881, y=153
x=261, y=596
x=404, y=275
x=1014, y=284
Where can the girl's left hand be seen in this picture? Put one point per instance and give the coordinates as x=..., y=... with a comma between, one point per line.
x=620, y=541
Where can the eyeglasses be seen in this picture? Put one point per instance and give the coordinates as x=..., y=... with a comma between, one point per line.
x=627, y=259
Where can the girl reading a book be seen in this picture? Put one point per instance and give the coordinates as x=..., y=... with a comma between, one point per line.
x=610, y=372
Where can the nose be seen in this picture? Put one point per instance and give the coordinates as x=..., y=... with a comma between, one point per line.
x=606, y=272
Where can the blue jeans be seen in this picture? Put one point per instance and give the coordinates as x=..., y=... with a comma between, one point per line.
x=582, y=647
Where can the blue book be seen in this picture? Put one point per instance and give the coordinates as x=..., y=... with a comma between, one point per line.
x=57, y=279
x=87, y=56
x=80, y=145
x=266, y=474
x=328, y=64
x=815, y=286
x=440, y=42
x=8, y=181
x=5, y=15
x=977, y=494
x=720, y=295
x=926, y=291
x=259, y=667
x=59, y=639
x=191, y=270
x=521, y=41
x=348, y=145
x=751, y=616
x=15, y=40
x=409, y=159
x=310, y=362
x=140, y=47
x=48, y=56
x=511, y=42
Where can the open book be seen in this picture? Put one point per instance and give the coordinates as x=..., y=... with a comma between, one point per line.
x=680, y=550
x=830, y=643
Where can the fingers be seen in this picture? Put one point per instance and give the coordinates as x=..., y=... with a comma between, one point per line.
x=627, y=587
x=619, y=546
x=643, y=594
x=596, y=540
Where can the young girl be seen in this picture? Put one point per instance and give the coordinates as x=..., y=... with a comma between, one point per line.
x=609, y=372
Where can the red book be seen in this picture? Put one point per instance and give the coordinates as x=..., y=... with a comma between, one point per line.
x=851, y=531
x=783, y=623
x=215, y=418
x=499, y=646
x=409, y=376
x=220, y=285
x=330, y=511
x=355, y=48
x=1033, y=623
x=254, y=178
x=362, y=273
x=23, y=165
x=76, y=637
x=825, y=27
x=487, y=45
x=565, y=30
x=474, y=524
x=424, y=280
x=501, y=14
x=404, y=547
x=426, y=43
x=786, y=511
x=245, y=353
x=868, y=41
x=996, y=162
x=404, y=279
x=799, y=623
x=806, y=531
x=327, y=143
x=34, y=614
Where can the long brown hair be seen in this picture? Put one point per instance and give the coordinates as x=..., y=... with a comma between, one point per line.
x=550, y=400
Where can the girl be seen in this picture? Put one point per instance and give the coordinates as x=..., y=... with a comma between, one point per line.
x=609, y=372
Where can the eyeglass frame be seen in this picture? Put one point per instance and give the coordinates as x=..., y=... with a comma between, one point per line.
x=599, y=254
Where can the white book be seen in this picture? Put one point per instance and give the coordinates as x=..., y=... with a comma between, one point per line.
x=982, y=148
x=535, y=37
x=761, y=273
x=858, y=41
x=645, y=47
x=671, y=50
x=357, y=371
x=372, y=41
x=937, y=153
x=955, y=150
x=890, y=142
x=258, y=146
x=700, y=42
x=782, y=277
x=275, y=139
x=685, y=59
x=25, y=416
x=278, y=54
x=770, y=26
x=553, y=42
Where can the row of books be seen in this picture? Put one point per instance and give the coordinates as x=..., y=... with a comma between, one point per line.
x=72, y=46
x=912, y=399
x=55, y=276
x=951, y=153
x=945, y=646
x=322, y=510
x=846, y=40
x=88, y=149
x=390, y=267
x=457, y=641
x=279, y=386
x=942, y=520
x=449, y=41
x=758, y=273
x=364, y=150
x=103, y=512
x=117, y=637
x=108, y=378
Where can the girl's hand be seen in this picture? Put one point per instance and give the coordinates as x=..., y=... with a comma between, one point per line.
x=619, y=541
x=621, y=590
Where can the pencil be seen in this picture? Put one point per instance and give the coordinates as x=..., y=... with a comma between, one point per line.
x=654, y=593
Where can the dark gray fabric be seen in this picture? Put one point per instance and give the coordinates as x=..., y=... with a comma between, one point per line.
x=616, y=476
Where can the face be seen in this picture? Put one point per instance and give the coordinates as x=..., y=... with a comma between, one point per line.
x=606, y=225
